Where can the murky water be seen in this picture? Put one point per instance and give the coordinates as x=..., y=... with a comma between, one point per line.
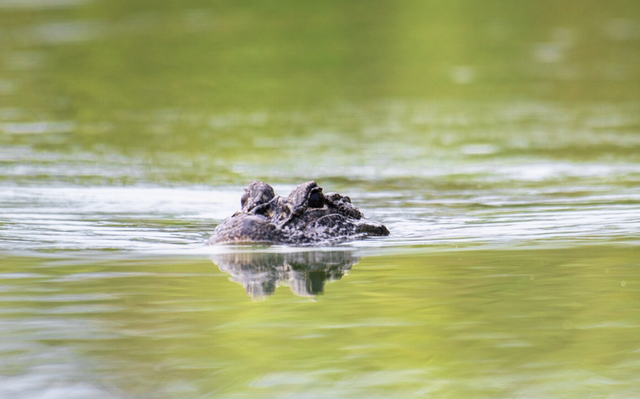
x=500, y=146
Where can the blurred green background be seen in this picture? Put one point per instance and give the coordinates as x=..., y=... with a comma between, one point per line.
x=215, y=91
x=102, y=56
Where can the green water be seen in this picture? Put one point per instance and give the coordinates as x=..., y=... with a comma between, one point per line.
x=498, y=141
x=548, y=323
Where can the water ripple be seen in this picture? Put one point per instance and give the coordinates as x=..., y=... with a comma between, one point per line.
x=161, y=219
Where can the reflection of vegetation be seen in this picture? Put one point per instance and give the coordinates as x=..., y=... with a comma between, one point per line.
x=550, y=322
x=305, y=272
x=235, y=87
x=123, y=55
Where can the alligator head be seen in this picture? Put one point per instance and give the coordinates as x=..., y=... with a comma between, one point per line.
x=306, y=217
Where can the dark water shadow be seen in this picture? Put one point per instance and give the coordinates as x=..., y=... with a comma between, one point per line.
x=306, y=273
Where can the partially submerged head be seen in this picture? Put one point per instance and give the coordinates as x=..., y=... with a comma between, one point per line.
x=307, y=216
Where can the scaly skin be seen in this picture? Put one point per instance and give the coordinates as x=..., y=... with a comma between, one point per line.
x=305, y=217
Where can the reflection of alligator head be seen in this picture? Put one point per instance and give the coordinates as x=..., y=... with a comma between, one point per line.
x=305, y=272
x=305, y=217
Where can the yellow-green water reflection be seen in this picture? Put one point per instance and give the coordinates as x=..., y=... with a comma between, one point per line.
x=480, y=323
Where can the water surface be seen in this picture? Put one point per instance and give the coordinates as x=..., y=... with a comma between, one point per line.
x=499, y=144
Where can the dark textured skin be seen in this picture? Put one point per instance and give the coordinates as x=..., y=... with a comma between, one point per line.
x=305, y=217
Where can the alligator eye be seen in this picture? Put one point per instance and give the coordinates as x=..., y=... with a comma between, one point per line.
x=244, y=198
x=316, y=200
